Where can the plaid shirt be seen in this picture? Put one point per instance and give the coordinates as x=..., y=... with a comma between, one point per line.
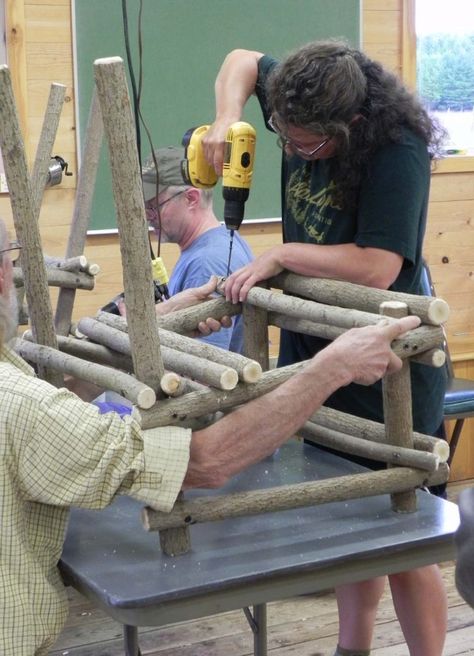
x=57, y=452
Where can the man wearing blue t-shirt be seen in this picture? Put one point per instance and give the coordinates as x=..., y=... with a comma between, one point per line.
x=187, y=218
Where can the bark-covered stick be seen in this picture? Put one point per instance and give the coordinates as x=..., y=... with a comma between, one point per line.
x=66, y=264
x=414, y=343
x=82, y=208
x=26, y=224
x=52, y=115
x=431, y=310
x=119, y=382
x=175, y=412
x=373, y=430
x=255, y=321
x=248, y=370
x=300, y=308
x=216, y=375
x=83, y=348
x=435, y=357
x=285, y=497
x=119, y=128
x=397, y=408
x=185, y=321
x=172, y=384
x=395, y=455
x=58, y=278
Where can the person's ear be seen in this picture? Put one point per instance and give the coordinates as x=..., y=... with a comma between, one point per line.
x=193, y=197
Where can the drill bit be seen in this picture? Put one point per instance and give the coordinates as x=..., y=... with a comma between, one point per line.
x=231, y=243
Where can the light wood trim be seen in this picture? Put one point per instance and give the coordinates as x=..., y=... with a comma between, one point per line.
x=16, y=55
x=408, y=43
x=455, y=164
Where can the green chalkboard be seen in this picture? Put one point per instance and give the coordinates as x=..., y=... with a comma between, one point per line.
x=184, y=44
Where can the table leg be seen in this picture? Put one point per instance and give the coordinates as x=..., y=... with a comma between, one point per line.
x=130, y=640
x=258, y=624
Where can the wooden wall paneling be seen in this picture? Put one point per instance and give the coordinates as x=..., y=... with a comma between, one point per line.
x=408, y=44
x=16, y=48
x=381, y=23
x=48, y=23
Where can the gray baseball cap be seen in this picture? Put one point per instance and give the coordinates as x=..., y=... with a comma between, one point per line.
x=170, y=161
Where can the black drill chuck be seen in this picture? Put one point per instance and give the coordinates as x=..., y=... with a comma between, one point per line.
x=234, y=203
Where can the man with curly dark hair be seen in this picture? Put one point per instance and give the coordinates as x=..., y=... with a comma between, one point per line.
x=357, y=153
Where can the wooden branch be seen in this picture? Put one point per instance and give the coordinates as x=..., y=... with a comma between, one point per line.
x=248, y=371
x=256, y=334
x=373, y=430
x=119, y=382
x=186, y=321
x=172, y=384
x=175, y=541
x=301, y=495
x=414, y=343
x=82, y=208
x=133, y=232
x=395, y=455
x=206, y=371
x=39, y=176
x=300, y=308
x=77, y=263
x=174, y=412
x=434, y=311
x=128, y=195
x=57, y=278
x=182, y=322
x=435, y=357
x=24, y=217
x=83, y=348
x=397, y=408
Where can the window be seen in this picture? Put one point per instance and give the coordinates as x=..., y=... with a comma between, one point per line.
x=445, y=67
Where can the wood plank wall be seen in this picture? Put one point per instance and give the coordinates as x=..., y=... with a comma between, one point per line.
x=39, y=41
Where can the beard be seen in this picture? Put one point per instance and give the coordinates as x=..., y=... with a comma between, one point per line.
x=8, y=317
x=14, y=314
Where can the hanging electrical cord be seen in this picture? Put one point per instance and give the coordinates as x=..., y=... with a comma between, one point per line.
x=158, y=266
x=136, y=97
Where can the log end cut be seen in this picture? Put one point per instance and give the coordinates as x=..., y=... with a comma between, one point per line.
x=146, y=397
x=252, y=372
x=438, y=311
x=229, y=379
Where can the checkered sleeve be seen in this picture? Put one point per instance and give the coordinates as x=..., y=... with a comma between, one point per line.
x=77, y=457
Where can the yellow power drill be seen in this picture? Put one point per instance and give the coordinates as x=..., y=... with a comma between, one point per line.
x=237, y=173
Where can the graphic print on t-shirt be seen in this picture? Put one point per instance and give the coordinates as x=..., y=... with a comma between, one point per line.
x=310, y=210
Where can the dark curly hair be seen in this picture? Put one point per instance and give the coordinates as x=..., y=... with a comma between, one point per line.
x=322, y=86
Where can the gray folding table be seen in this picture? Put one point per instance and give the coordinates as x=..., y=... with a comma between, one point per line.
x=248, y=561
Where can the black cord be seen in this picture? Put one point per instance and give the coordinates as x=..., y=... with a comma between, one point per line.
x=135, y=96
x=138, y=118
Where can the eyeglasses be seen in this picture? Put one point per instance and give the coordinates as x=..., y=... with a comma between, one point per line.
x=285, y=141
x=156, y=208
x=13, y=246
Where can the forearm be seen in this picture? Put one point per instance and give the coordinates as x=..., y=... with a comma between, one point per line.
x=235, y=83
x=255, y=430
x=373, y=267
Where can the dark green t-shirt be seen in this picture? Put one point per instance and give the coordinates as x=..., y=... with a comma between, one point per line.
x=390, y=214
